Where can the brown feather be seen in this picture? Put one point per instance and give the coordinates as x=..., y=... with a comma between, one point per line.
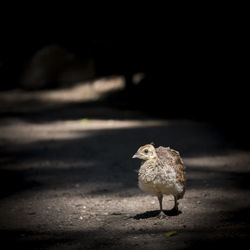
x=172, y=158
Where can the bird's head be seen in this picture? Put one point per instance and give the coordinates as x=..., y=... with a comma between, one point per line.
x=145, y=152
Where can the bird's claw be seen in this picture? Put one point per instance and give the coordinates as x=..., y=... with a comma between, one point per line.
x=161, y=215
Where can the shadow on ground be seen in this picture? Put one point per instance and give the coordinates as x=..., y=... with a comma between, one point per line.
x=155, y=213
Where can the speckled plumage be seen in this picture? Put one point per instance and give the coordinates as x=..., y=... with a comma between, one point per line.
x=162, y=172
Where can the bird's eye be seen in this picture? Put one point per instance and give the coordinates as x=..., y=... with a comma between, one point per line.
x=145, y=151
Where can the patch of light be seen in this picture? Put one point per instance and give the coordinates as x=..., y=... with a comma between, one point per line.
x=80, y=92
x=231, y=159
x=138, y=77
x=89, y=91
x=24, y=132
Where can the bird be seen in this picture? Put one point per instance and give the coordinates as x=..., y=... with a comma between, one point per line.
x=162, y=172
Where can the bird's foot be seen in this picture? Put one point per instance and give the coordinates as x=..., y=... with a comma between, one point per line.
x=161, y=215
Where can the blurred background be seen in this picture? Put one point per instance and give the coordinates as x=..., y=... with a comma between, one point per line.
x=194, y=75
x=73, y=112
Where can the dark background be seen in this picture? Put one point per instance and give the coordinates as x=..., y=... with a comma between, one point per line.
x=197, y=74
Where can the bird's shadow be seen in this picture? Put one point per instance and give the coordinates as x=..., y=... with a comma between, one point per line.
x=155, y=213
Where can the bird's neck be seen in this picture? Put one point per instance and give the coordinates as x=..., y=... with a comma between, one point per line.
x=150, y=160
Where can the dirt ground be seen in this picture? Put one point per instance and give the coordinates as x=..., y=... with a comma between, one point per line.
x=68, y=181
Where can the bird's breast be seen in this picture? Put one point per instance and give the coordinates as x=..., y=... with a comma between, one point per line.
x=155, y=173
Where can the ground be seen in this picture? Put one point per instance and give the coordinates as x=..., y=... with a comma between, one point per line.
x=68, y=181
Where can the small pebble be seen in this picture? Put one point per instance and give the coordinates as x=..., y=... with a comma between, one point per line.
x=116, y=213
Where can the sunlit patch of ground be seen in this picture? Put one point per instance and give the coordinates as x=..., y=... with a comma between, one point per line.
x=80, y=92
x=23, y=132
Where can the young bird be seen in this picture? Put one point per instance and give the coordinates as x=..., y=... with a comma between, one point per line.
x=162, y=172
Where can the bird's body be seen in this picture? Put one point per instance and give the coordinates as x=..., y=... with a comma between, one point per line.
x=162, y=172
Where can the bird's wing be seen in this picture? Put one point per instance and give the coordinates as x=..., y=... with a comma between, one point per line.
x=172, y=158
x=169, y=156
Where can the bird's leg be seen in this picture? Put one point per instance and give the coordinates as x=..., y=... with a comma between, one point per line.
x=175, y=204
x=160, y=196
x=161, y=214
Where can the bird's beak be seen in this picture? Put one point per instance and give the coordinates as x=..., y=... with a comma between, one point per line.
x=137, y=155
